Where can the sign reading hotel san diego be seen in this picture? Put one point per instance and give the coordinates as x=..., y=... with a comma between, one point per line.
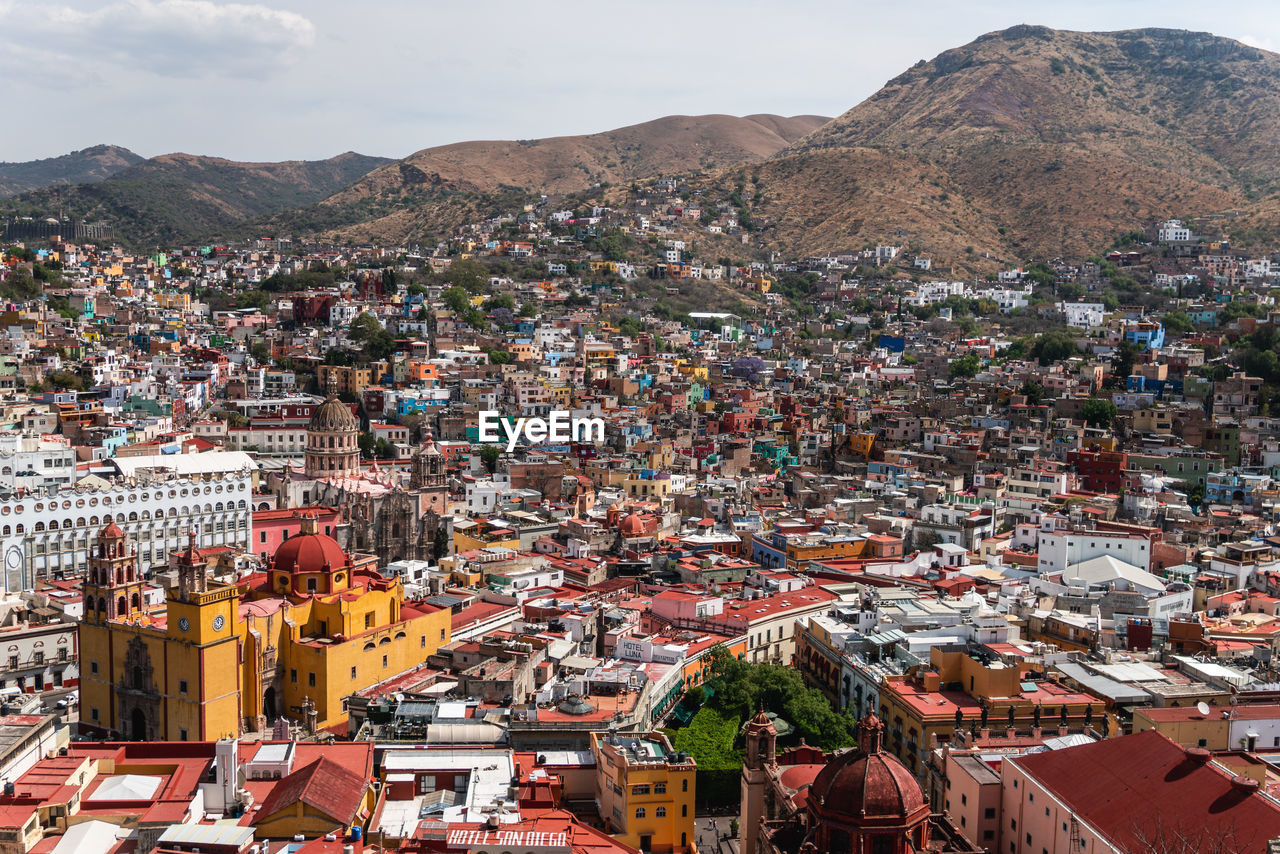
x=559, y=427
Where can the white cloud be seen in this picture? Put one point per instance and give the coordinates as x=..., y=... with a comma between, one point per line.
x=170, y=38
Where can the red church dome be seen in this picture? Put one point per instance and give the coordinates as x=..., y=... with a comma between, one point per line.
x=867, y=785
x=632, y=526
x=309, y=552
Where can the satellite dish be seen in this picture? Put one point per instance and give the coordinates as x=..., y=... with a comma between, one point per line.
x=1202, y=707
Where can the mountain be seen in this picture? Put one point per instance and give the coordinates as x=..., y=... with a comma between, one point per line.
x=78, y=167
x=179, y=198
x=1032, y=141
x=436, y=188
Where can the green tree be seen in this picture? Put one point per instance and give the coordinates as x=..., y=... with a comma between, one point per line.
x=337, y=358
x=965, y=367
x=439, y=544
x=261, y=352
x=377, y=342
x=368, y=446
x=1178, y=322
x=456, y=299
x=499, y=357
x=1126, y=357
x=1098, y=412
x=1052, y=347
x=489, y=455
x=1033, y=391
x=501, y=301
x=65, y=381
x=468, y=274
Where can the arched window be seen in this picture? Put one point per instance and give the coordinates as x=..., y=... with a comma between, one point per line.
x=121, y=606
x=639, y=812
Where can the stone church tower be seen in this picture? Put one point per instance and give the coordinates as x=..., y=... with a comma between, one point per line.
x=761, y=739
x=427, y=477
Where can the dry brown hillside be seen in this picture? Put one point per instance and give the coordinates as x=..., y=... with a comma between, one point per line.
x=1060, y=139
x=426, y=190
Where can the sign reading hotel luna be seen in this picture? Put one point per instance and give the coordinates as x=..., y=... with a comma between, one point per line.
x=558, y=428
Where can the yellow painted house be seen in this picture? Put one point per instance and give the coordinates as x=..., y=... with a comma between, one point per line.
x=645, y=791
x=222, y=659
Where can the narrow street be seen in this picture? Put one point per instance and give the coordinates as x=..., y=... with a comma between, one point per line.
x=715, y=840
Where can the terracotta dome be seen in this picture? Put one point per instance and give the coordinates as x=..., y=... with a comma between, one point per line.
x=867, y=783
x=310, y=553
x=111, y=532
x=632, y=526
x=333, y=416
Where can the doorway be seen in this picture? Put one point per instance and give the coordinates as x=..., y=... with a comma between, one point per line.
x=138, y=725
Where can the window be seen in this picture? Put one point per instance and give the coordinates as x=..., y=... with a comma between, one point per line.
x=13, y=662
x=293, y=676
x=384, y=661
x=684, y=810
x=639, y=812
x=1031, y=798
x=93, y=713
x=1204, y=742
x=311, y=679
x=988, y=834
x=93, y=667
x=989, y=812
x=660, y=812
x=422, y=642
x=964, y=799
x=368, y=620
x=182, y=686
x=442, y=634
x=182, y=735
x=353, y=671
x=659, y=788
x=262, y=536
x=639, y=790
x=684, y=785
x=38, y=657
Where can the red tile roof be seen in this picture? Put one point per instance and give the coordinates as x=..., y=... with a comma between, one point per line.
x=325, y=785
x=1139, y=789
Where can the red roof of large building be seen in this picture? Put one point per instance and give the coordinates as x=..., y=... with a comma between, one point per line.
x=1140, y=788
x=325, y=785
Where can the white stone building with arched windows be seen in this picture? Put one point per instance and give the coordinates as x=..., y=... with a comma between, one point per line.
x=49, y=535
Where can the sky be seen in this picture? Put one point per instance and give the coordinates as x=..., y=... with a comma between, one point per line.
x=308, y=79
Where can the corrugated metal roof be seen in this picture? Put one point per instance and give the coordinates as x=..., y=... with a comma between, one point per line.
x=1102, y=686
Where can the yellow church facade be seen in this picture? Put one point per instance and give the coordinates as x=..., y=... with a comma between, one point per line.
x=222, y=659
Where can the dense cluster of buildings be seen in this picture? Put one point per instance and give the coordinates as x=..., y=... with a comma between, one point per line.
x=265, y=585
